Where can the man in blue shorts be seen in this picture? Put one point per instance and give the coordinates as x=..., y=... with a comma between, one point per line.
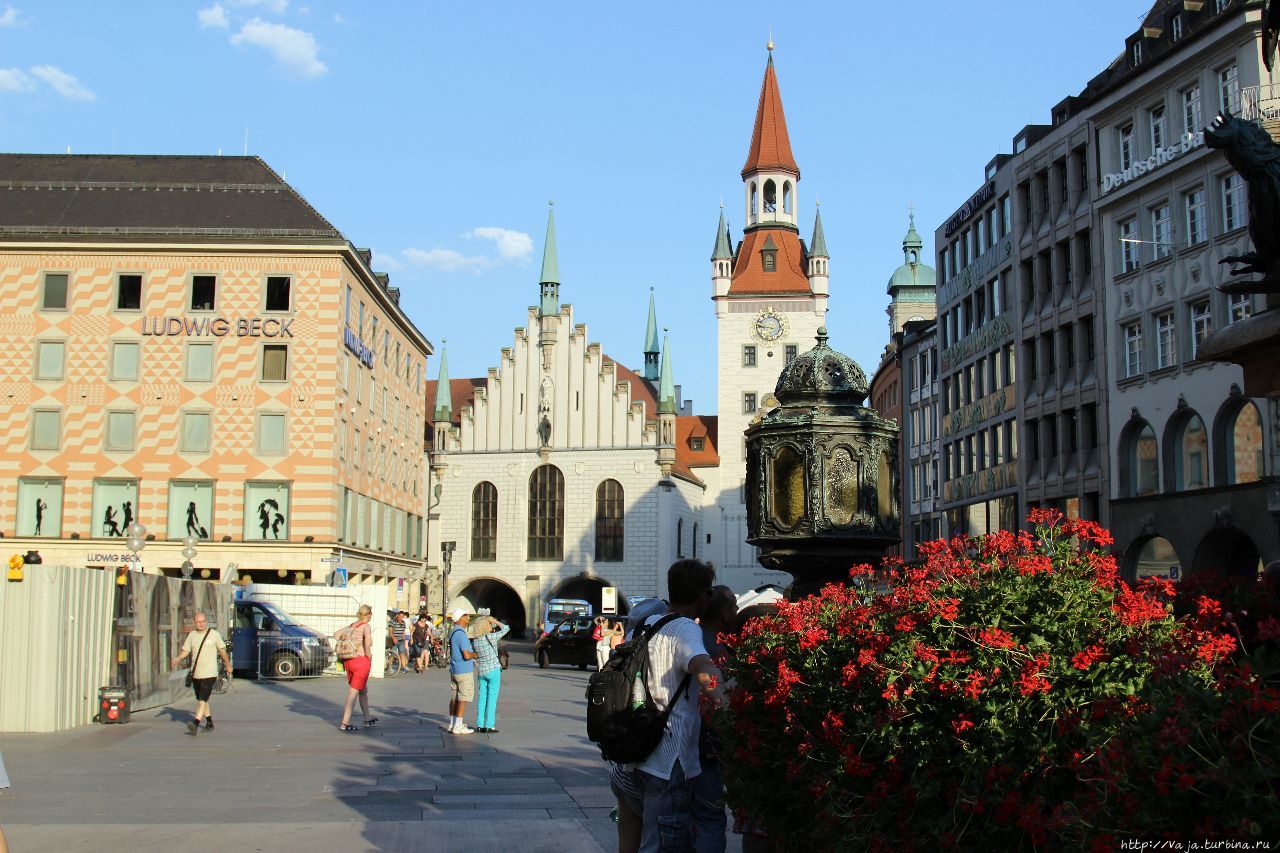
x=462, y=673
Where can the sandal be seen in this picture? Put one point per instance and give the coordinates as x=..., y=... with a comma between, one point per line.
x=348, y=728
x=370, y=723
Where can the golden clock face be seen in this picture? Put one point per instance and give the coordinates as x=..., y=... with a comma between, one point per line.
x=769, y=326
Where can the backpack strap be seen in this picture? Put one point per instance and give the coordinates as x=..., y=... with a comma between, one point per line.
x=649, y=632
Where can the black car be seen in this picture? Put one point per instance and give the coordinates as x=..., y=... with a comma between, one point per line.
x=569, y=642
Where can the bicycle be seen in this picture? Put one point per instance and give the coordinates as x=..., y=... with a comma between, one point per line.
x=392, y=668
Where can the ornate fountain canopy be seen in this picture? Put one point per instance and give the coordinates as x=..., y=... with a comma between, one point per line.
x=822, y=473
x=822, y=377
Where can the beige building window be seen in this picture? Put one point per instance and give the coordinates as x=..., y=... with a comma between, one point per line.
x=129, y=292
x=204, y=292
x=271, y=433
x=120, y=430
x=50, y=356
x=46, y=429
x=199, y=362
x=54, y=295
x=124, y=361
x=196, y=429
x=278, y=293
x=275, y=363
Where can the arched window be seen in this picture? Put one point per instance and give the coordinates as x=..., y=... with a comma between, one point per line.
x=546, y=513
x=786, y=197
x=770, y=197
x=695, y=540
x=1191, y=465
x=679, y=537
x=609, y=522
x=755, y=201
x=484, y=522
x=1244, y=446
x=1143, y=461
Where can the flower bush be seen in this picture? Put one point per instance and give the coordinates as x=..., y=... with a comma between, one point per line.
x=1010, y=692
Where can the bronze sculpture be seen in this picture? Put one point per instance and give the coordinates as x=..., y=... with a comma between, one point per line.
x=1256, y=156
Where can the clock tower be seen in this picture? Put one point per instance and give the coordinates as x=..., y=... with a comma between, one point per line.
x=770, y=296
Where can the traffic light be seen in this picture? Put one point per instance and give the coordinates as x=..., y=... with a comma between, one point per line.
x=15, y=568
x=122, y=576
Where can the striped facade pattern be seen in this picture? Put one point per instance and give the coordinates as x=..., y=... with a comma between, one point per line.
x=312, y=399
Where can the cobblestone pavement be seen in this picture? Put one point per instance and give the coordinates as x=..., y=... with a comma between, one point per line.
x=277, y=775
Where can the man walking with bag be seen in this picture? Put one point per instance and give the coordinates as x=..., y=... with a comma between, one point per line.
x=205, y=645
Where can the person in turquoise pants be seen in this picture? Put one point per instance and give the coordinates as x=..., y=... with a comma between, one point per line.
x=488, y=673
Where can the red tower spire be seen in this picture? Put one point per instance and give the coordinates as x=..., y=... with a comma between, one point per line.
x=770, y=145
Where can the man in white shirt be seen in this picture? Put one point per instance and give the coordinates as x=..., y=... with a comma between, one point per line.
x=204, y=645
x=676, y=651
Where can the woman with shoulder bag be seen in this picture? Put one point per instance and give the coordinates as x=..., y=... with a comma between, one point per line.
x=359, y=639
x=488, y=672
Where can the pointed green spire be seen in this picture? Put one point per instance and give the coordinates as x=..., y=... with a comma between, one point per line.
x=444, y=397
x=549, y=284
x=651, y=342
x=667, y=403
x=550, y=263
x=723, y=251
x=818, y=245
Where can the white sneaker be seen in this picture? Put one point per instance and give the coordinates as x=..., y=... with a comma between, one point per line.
x=462, y=729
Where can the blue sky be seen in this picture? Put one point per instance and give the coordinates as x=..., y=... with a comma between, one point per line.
x=436, y=132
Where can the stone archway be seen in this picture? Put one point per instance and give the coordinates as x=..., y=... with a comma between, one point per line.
x=1228, y=550
x=499, y=599
x=1152, y=557
x=589, y=589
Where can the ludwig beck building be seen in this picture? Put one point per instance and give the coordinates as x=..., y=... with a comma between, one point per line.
x=190, y=346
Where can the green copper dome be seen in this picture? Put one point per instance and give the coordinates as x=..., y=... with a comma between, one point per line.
x=913, y=273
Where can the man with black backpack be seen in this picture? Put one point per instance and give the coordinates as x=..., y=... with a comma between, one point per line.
x=655, y=734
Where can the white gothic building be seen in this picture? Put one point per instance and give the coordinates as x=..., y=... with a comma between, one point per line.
x=563, y=472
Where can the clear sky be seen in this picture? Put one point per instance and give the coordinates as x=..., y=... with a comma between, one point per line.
x=436, y=132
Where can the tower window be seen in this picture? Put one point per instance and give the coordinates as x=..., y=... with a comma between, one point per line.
x=749, y=355
x=769, y=260
x=770, y=197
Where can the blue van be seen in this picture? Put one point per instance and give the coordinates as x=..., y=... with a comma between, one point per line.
x=268, y=642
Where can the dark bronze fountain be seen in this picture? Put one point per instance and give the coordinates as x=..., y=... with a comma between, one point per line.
x=822, y=473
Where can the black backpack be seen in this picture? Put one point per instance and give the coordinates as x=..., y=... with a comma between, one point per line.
x=626, y=728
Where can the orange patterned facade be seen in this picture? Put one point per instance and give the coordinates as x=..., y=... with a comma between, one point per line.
x=225, y=398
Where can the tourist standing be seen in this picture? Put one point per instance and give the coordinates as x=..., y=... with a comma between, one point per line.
x=462, y=673
x=396, y=632
x=679, y=669
x=421, y=643
x=357, y=669
x=707, y=805
x=204, y=645
x=488, y=672
x=600, y=633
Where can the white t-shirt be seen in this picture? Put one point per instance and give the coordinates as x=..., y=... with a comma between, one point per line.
x=670, y=651
x=207, y=665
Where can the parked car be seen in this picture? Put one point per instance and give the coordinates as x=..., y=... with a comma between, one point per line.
x=569, y=642
x=266, y=641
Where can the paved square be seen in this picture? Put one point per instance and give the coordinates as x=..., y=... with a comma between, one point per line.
x=277, y=774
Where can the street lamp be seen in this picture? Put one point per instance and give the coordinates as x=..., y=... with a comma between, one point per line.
x=189, y=554
x=446, y=555
x=136, y=542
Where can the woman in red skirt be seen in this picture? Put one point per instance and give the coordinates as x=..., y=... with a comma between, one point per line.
x=358, y=669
